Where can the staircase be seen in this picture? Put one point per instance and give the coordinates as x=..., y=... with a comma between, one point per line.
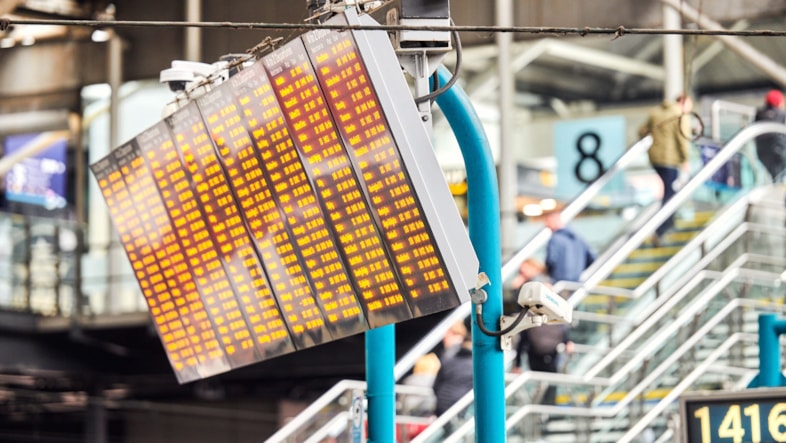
x=649, y=257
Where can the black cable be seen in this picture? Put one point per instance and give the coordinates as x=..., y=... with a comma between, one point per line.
x=692, y=137
x=434, y=94
x=513, y=325
x=619, y=31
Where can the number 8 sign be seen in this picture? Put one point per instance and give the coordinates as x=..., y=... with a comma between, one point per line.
x=584, y=150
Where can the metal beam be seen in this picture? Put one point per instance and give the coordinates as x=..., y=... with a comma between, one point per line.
x=712, y=51
x=745, y=51
x=569, y=51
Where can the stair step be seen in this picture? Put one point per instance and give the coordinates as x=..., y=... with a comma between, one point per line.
x=624, y=282
x=636, y=268
x=602, y=300
x=654, y=252
x=678, y=237
x=698, y=220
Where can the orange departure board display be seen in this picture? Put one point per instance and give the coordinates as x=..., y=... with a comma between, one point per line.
x=328, y=166
x=230, y=236
x=296, y=203
x=191, y=226
x=366, y=133
x=207, y=355
x=310, y=304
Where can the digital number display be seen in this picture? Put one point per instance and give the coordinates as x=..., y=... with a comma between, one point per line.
x=228, y=230
x=270, y=163
x=752, y=415
x=190, y=226
x=280, y=209
x=330, y=170
x=365, y=131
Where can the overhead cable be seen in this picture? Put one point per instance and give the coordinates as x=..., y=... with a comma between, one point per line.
x=619, y=31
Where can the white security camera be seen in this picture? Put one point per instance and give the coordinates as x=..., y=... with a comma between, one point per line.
x=540, y=299
x=543, y=305
x=177, y=79
x=190, y=80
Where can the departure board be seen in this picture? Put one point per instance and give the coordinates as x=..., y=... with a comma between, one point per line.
x=296, y=203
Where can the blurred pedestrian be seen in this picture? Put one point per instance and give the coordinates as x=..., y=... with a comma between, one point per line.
x=567, y=254
x=670, y=127
x=454, y=378
x=541, y=345
x=771, y=148
x=530, y=269
x=423, y=375
x=452, y=340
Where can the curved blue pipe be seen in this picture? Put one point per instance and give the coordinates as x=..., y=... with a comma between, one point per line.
x=484, y=232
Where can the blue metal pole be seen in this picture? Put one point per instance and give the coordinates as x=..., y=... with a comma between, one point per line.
x=484, y=232
x=380, y=384
x=770, y=351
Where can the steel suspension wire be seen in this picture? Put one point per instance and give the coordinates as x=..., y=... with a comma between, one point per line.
x=617, y=32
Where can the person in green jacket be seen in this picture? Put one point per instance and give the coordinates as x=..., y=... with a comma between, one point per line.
x=670, y=127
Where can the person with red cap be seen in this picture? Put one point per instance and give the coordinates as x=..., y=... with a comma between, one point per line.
x=771, y=148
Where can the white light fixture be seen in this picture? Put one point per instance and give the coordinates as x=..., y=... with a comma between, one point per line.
x=100, y=36
x=7, y=42
x=28, y=40
x=548, y=204
x=532, y=210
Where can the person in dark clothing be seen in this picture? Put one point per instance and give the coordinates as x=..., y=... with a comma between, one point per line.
x=567, y=254
x=771, y=148
x=542, y=345
x=454, y=378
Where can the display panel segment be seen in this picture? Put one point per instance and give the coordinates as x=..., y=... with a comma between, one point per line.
x=190, y=225
x=295, y=217
x=331, y=172
x=228, y=230
x=367, y=136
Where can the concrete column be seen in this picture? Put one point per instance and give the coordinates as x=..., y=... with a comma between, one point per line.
x=673, y=63
x=193, y=49
x=507, y=158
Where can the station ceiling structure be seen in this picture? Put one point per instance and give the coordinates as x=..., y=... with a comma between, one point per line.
x=551, y=70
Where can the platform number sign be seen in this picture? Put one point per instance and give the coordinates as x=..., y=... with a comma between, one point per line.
x=751, y=415
x=584, y=150
x=297, y=203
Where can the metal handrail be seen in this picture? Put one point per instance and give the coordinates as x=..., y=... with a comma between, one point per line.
x=733, y=272
x=724, y=225
x=605, y=268
x=681, y=289
x=326, y=399
x=575, y=411
x=609, y=412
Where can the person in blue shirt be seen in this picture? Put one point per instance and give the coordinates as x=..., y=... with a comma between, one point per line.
x=567, y=254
